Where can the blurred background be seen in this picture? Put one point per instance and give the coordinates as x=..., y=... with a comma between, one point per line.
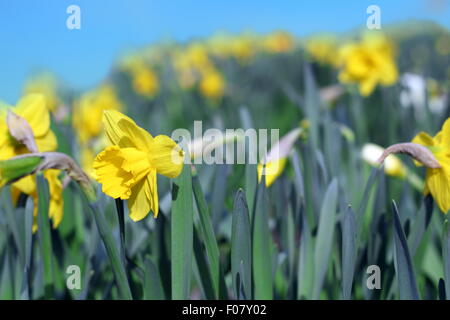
x=34, y=36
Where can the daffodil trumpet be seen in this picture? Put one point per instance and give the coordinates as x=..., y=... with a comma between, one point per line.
x=375, y=155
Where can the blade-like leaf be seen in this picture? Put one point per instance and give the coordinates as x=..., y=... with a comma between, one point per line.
x=348, y=252
x=261, y=250
x=403, y=265
x=45, y=241
x=446, y=257
x=182, y=234
x=209, y=237
x=325, y=236
x=241, y=250
x=153, y=289
x=201, y=268
x=305, y=272
x=112, y=251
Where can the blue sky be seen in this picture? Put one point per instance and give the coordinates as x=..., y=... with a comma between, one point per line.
x=34, y=37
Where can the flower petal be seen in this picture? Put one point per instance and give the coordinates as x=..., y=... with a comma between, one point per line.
x=34, y=110
x=47, y=142
x=438, y=183
x=139, y=204
x=166, y=156
x=273, y=170
x=124, y=132
x=55, y=210
x=423, y=139
x=153, y=192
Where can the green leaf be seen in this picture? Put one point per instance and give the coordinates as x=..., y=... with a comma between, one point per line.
x=446, y=258
x=112, y=251
x=182, y=234
x=348, y=252
x=241, y=250
x=262, y=259
x=13, y=169
x=402, y=261
x=209, y=237
x=312, y=103
x=325, y=236
x=251, y=181
x=44, y=235
x=305, y=272
x=202, y=271
x=12, y=224
x=374, y=174
x=153, y=289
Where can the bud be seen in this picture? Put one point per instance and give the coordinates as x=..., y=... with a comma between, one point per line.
x=393, y=166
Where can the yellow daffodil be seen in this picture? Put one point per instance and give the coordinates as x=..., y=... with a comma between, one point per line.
x=393, y=166
x=144, y=79
x=33, y=109
x=212, y=85
x=368, y=63
x=243, y=47
x=437, y=181
x=279, y=42
x=145, y=82
x=275, y=160
x=44, y=84
x=323, y=49
x=87, y=116
x=127, y=169
x=273, y=170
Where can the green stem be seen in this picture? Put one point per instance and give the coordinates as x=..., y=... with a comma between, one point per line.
x=113, y=253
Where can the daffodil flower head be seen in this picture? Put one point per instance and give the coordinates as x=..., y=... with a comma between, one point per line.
x=88, y=113
x=368, y=63
x=33, y=109
x=212, y=85
x=276, y=159
x=437, y=180
x=393, y=166
x=127, y=169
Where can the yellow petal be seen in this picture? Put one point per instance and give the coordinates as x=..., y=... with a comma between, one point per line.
x=423, y=139
x=140, y=204
x=26, y=185
x=166, y=156
x=367, y=86
x=124, y=132
x=153, y=193
x=438, y=183
x=47, y=143
x=33, y=109
x=273, y=170
x=55, y=210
